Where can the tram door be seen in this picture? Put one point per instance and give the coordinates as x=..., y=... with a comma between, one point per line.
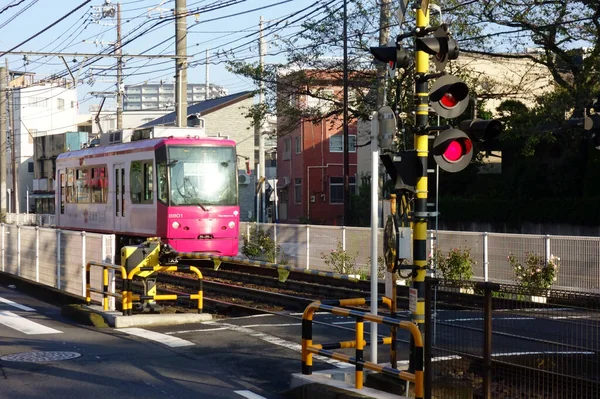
x=119, y=197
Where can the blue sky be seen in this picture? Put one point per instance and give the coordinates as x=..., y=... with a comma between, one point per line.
x=215, y=30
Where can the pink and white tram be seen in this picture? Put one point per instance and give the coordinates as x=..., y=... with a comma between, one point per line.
x=183, y=190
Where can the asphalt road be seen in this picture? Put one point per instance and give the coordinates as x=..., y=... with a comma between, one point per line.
x=250, y=357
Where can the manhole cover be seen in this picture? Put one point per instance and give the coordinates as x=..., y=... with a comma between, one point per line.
x=35, y=357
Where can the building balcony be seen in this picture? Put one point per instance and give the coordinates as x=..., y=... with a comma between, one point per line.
x=44, y=184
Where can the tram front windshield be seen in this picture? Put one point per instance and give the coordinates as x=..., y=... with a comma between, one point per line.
x=202, y=176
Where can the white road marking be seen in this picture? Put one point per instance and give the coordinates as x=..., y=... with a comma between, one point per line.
x=280, y=342
x=495, y=318
x=158, y=337
x=300, y=314
x=273, y=325
x=254, y=316
x=195, y=331
x=14, y=321
x=569, y=317
x=544, y=353
x=249, y=395
x=348, y=322
x=16, y=305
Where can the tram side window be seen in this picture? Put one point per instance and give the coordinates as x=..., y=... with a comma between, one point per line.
x=99, y=185
x=141, y=182
x=71, y=186
x=163, y=192
x=83, y=183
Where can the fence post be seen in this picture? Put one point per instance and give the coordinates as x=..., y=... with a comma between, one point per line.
x=106, y=257
x=3, y=237
x=427, y=350
x=307, y=247
x=487, y=338
x=37, y=254
x=547, y=247
x=275, y=238
x=83, y=250
x=19, y=250
x=58, y=259
x=344, y=248
x=486, y=262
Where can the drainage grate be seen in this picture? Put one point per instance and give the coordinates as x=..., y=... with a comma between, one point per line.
x=36, y=357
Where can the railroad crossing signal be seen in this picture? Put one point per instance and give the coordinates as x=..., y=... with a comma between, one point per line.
x=449, y=96
x=440, y=45
x=395, y=56
x=452, y=150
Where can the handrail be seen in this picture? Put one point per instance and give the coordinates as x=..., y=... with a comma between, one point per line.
x=308, y=348
x=105, y=293
x=267, y=265
x=128, y=310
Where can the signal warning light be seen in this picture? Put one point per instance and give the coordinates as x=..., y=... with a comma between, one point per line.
x=452, y=150
x=449, y=96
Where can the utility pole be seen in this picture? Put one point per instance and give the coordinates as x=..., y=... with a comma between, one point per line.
x=13, y=161
x=181, y=63
x=3, y=125
x=206, y=84
x=345, y=122
x=119, y=53
x=261, y=138
x=384, y=37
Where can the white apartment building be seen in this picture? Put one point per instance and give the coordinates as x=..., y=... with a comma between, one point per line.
x=42, y=108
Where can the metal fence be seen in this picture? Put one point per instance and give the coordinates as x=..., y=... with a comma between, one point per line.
x=579, y=269
x=497, y=341
x=30, y=219
x=52, y=257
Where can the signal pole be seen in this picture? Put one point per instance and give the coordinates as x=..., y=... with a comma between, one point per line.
x=420, y=208
x=261, y=138
x=181, y=63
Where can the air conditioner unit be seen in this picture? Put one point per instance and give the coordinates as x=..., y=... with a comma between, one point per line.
x=243, y=179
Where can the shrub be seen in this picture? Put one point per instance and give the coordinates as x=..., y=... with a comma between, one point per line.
x=456, y=265
x=259, y=246
x=536, y=275
x=340, y=261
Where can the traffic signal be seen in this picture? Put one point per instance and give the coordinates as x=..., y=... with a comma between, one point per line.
x=449, y=96
x=440, y=45
x=404, y=169
x=481, y=131
x=395, y=56
x=452, y=150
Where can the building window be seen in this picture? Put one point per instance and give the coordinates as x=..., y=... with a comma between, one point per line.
x=323, y=101
x=336, y=143
x=336, y=189
x=60, y=103
x=287, y=148
x=30, y=167
x=38, y=102
x=297, y=190
x=298, y=145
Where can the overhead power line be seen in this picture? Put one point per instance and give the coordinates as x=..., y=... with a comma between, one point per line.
x=47, y=27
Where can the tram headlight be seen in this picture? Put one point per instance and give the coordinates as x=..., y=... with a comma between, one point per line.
x=231, y=225
x=175, y=225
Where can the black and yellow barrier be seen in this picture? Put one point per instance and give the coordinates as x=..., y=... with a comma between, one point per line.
x=104, y=291
x=127, y=286
x=283, y=270
x=309, y=348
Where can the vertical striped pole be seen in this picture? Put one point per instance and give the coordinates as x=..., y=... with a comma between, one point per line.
x=359, y=352
x=420, y=208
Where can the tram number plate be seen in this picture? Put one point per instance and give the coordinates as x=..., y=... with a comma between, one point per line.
x=412, y=299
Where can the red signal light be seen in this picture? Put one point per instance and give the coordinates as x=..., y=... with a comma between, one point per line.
x=457, y=149
x=452, y=150
x=448, y=100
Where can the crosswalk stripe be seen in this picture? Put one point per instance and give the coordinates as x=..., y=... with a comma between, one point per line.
x=16, y=322
x=249, y=395
x=16, y=305
x=165, y=339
